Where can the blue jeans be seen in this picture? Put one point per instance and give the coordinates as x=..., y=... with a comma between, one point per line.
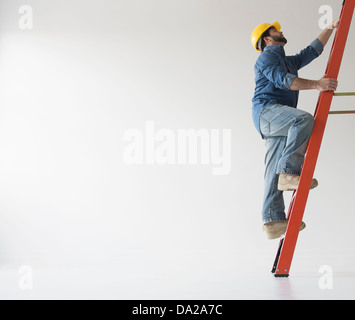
x=286, y=132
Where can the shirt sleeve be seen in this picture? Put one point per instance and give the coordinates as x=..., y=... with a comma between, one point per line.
x=269, y=65
x=307, y=55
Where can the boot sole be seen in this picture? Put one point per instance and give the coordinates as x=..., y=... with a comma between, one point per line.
x=289, y=187
x=277, y=234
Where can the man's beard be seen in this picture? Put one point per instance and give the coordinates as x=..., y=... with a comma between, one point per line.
x=281, y=39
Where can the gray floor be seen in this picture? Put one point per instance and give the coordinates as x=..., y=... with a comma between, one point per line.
x=180, y=276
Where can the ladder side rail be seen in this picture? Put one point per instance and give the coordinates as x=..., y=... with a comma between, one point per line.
x=321, y=117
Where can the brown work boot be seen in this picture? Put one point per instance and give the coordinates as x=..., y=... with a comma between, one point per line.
x=275, y=230
x=289, y=182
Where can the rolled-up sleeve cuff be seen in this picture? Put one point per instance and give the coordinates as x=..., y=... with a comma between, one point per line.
x=318, y=46
x=289, y=80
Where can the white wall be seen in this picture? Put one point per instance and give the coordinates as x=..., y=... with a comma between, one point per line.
x=91, y=70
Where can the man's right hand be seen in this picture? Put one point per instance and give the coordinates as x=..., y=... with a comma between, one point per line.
x=326, y=84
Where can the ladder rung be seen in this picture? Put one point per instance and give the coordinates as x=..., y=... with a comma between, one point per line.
x=343, y=94
x=342, y=112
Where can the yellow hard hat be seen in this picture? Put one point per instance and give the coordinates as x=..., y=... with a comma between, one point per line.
x=259, y=30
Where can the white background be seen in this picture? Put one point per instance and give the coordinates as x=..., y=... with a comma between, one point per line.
x=72, y=209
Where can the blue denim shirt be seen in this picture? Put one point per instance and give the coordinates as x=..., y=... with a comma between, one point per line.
x=274, y=74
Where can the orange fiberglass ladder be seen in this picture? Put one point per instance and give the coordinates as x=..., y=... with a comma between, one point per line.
x=287, y=245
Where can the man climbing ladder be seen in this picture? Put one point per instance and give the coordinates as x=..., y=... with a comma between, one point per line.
x=285, y=129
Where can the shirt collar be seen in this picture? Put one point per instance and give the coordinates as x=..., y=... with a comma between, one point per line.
x=276, y=48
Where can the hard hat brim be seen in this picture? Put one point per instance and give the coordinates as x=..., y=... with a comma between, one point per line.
x=277, y=26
